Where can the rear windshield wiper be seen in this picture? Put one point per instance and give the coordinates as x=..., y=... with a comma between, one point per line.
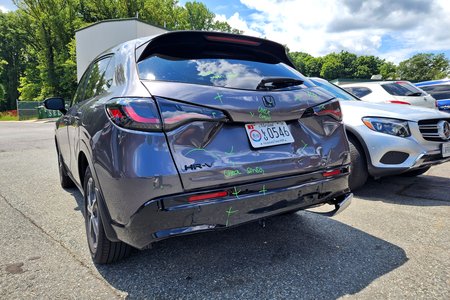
x=273, y=83
x=414, y=94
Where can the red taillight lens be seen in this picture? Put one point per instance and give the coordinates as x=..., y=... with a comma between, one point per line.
x=331, y=173
x=231, y=39
x=175, y=114
x=134, y=113
x=207, y=196
x=330, y=108
x=398, y=102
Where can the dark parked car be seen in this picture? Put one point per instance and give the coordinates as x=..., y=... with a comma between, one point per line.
x=440, y=90
x=194, y=131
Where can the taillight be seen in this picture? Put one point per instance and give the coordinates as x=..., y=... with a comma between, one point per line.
x=330, y=108
x=208, y=196
x=398, y=102
x=134, y=113
x=174, y=114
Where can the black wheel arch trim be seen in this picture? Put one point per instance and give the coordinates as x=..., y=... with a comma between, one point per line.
x=103, y=208
x=360, y=140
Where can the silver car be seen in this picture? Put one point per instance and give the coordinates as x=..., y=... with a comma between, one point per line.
x=395, y=92
x=389, y=139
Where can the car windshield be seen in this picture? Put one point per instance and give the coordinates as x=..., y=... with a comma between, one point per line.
x=402, y=88
x=334, y=90
x=221, y=72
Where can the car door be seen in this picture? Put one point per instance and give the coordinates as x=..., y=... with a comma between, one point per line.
x=94, y=80
x=62, y=133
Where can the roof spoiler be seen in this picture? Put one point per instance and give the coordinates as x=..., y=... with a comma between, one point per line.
x=177, y=38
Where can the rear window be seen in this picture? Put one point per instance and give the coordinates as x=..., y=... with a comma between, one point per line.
x=334, y=90
x=402, y=89
x=221, y=72
x=358, y=91
x=439, y=92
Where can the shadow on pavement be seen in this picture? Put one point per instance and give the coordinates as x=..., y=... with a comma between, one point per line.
x=424, y=190
x=294, y=256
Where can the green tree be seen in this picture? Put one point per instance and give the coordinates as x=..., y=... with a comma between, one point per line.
x=300, y=60
x=12, y=47
x=348, y=64
x=424, y=66
x=388, y=70
x=52, y=24
x=366, y=66
x=332, y=66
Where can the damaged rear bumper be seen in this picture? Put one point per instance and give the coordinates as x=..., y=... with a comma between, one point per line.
x=171, y=216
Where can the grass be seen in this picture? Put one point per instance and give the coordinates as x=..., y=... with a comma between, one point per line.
x=8, y=118
x=10, y=115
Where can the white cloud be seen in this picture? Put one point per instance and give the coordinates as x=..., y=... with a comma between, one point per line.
x=237, y=22
x=3, y=9
x=322, y=26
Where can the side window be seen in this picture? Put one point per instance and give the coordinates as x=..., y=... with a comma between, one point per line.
x=79, y=93
x=358, y=91
x=107, y=81
x=439, y=92
x=96, y=80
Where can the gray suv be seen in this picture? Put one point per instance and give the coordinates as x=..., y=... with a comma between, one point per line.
x=188, y=132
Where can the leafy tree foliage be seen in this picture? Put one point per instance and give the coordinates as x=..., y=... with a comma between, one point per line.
x=420, y=67
x=424, y=66
x=11, y=63
x=37, y=48
x=37, y=52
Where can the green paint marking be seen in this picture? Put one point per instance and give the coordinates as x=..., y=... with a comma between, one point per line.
x=263, y=190
x=217, y=76
x=229, y=212
x=264, y=114
x=236, y=193
x=195, y=149
x=230, y=152
x=256, y=170
x=252, y=114
x=304, y=145
x=231, y=173
x=219, y=97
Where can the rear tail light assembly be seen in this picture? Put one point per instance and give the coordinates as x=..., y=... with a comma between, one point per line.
x=175, y=114
x=143, y=114
x=330, y=108
x=134, y=113
x=398, y=102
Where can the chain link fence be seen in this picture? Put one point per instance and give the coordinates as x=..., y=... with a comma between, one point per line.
x=34, y=110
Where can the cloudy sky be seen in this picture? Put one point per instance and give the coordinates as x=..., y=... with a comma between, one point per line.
x=392, y=29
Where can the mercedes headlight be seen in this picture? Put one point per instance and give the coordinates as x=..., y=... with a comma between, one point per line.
x=388, y=126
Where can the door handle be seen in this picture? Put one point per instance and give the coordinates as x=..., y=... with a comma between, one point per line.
x=78, y=116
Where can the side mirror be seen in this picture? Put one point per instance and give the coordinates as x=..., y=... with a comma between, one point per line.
x=55, y=104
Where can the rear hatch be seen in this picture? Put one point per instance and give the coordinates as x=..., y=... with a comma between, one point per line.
x=405, y=92
x=235, y=110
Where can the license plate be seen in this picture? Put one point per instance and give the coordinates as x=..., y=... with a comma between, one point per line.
x=268, y=134
x=446, y=150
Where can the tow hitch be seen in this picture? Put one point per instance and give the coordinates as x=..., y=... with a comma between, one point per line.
x=342, y=202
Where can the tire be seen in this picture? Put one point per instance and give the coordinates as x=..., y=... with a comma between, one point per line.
x=64, y=179
x=103, y=251
x=416, y=172
x=359, y=174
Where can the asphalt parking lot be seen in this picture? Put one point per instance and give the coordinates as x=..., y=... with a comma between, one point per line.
x=392, y=242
